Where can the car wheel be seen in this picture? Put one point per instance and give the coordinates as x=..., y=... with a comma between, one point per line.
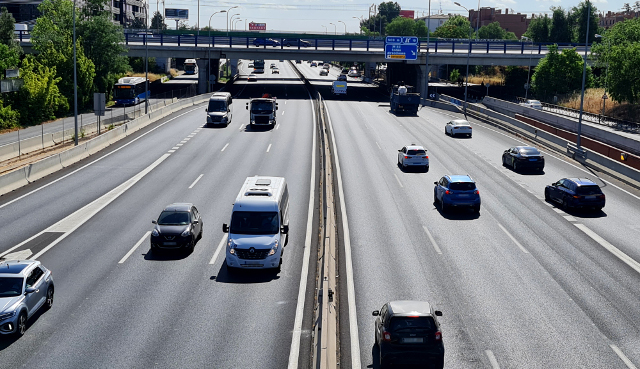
x=426, y=168
x=565, y=204
x=546, y=195
x=445, y=132
x=49, y=300
x=504, y=161
x=200, y=234
x=476, y=209
x=444, y=206
x=21, y=324
x=435, y=199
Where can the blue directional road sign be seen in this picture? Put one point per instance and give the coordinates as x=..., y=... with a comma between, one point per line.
x=401, y=47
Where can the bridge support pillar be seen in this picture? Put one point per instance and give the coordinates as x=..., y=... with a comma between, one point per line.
x=164, y=64
x=202, y=75
x=213, y=73
x=233, y=65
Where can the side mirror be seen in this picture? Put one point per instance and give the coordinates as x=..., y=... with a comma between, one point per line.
x=400, y=150
x=206, y=109
x=225, y=228
x=30, y=290
x=438, y=313
x=375, y=313
x=435, y=183
x=196, y=221
x=285, y=228
x=154, y=221
x=247, y=106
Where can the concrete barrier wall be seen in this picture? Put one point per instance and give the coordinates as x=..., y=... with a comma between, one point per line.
x=23, y=176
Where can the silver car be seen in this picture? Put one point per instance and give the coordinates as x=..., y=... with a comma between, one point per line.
x=458, y=127
x=414, y=156
x=25, y=287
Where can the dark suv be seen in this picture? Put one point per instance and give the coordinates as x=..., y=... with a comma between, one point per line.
x=179, y=226
x=295, y=42
x=575, y=193
x=408, y=333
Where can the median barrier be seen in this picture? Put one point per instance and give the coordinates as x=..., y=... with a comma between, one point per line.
x=440, y=105
x=42, y=168
x=8, y=151
x=96, y=144
x=73, y=155
x=13, y=180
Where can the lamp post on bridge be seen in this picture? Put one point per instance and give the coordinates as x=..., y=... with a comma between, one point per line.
x=345, y=26
x=228, y=10
x=466, y=85
x=362, y=21
x=335, y=29
x=210, y=44
x=235, y=22
x=528, y=85
x=325, y=29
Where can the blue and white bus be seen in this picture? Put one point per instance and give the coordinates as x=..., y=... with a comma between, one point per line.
x=190, y=66
x=129, y=91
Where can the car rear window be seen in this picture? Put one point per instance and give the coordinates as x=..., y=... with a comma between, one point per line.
x=462, y=186
x=411, y=323
x=416, y=152
x=530, y=151
x=588, y=190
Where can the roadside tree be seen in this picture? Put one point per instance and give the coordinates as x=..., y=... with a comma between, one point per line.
x=407, y=27
x=157, y=22
x=559, y=73
x=560, y=30
x=538, y=29
x=455, y=27
x=7, y=27
x=578, y=19
x=40, y=98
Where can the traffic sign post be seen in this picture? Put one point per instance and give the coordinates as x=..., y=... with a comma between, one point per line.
x=401, y=47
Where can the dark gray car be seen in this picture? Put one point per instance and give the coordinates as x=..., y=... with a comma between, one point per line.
x=179, y=226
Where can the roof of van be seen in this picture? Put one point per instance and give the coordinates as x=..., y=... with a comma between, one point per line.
x=220, y=95
x=260, y=193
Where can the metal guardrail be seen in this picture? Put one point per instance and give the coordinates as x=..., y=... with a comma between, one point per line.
x=340, y=44
x=619, y=124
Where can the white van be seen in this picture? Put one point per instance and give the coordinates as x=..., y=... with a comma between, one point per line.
x=219, y=109
x=259, y=224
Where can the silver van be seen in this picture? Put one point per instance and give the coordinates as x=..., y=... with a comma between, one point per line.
x=259, y=224
x=219, y=109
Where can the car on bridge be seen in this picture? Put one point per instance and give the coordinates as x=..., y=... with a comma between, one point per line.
x=268, y=41
x=295, y=42
x=275, y=70
x=252, y=78
x=523, y=157
x=324, y=72
x=575, y=193
x=313, y=64
x=342, y=77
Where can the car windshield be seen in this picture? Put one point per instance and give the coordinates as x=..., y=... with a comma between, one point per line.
x=588, y=190
x=529, y=151
x=174, y=218
x=10, y=286
x=254, y=222
x=416, y=152
x=411, y=323
x=217, y=105
x=462, y=186
x=261, y=106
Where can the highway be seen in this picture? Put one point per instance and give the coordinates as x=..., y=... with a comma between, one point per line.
x=121, y=306
x=522, y=285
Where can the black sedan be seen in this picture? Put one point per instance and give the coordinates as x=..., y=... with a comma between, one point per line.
x=575, y=193
x=523, y=157
x=179, y=226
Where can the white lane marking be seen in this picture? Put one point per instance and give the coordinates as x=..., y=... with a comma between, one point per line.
x=398, y=179
x=190, y=136
x=269, y=148
x=570, y=218
x=196, y=181
x=186, y=139
x=282, y=113
x=219, y=248
x=559, y=211
x=171, y=151
x=18, y=255
x=285, y=102
x=95, y=161
x=294, y=352
x=433, y=241
x=225, y=146
x=179, y=145
x=241, y=126
x=612, y=249
x=623, y=356
x=183, y=142
x=351, y=290
x=492, y=359
x=378, y=145
x=513, y=239
x=277, y=125
x=80, y=216
x=134, y=247
x=175, y=148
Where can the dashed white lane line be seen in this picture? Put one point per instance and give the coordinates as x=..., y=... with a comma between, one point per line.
x=225, y=146
x=196, y=181
x=186, y=139
x=378, y=145
x=622, y=356
x=433, y=241
x=241, y=126
x=492, y=359
x=191, y=136
x=612, y=249
x=398, y=179
x=282, y=113
x=570, y=218
x=559, y=211
x=183, y=142
x=179, y=145
x=134, y=247
x=175, y=148
x=513, y=239
x=220, y=246
x=277, y=125
x=171, y=151
x=269, y=148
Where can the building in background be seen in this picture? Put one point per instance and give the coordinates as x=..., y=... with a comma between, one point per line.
x=436, y=20
x=514, y=22
x=607, y=21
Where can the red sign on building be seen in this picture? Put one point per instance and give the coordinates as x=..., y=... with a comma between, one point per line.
x=407, y=14
x=257, y=26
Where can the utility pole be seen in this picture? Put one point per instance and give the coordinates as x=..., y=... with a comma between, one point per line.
x=75, y=79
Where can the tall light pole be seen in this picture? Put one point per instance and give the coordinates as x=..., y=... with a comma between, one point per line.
x=75, y=79
x=584, y=73
x=362, y=21
x=335, y=29
x=231, y=20
x=466, y=85
x=146, y=64
x=606, y=74
x=345, y=26
x=478, y=21
x=325, y=29
x=209, y=61
x=426, y=90
x=198, y=22
x=528, y=86
x=235, y=22
x=228, y=10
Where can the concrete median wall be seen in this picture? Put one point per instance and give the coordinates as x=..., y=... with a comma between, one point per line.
x=35, y=171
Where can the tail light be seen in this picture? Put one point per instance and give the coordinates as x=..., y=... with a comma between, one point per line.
x=426, y=157
x=476, y=192
x=448, y=192
x=577, y=197
x=601, y=196
x=406, y=157
x=386, y=336
x=438, y=336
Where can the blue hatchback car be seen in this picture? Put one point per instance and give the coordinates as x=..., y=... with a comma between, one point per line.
x=456, y=191
x=575, y=193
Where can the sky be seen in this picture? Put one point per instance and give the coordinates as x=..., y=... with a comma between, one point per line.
x=336, y=16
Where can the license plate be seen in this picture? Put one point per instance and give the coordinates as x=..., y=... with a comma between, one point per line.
x=412, y=340
x=464, y=195
x=170, y=244
x=533, y=159
x=590, y=197
x=253, y=263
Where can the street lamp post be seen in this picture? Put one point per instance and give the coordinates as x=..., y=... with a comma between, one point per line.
x=362, y=21
x=528, y=85
x=325, y=29
x=228, y=10
x=146, y=65
x=235, y=22
x=584, y=73
x=209, y=61
x=75, y=79
x=426, y=89
x=231, y=20
x=466, y=85
x=606, y=74
x=345, y=26
x=478, y=22
x=335, y=29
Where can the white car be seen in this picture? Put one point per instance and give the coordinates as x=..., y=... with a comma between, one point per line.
x=353, y=73
x=458, y=127
x=535, y=104
x=252, y=78
x=414, y=156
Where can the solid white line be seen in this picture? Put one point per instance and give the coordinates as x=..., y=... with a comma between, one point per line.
x=623, y=356
x=282, y=113
x=196, y=181
x=433, y=241
x=220, y=246
x=398, y=179
x=95, y=161
x=570, y=218
x=134, y=247
x=80, y=216
x=277, y=125
x=225, y=146
x=492, y=359
x=612, y=249
x=269, y=148
x=351, y=290
x=294, y=352
x=513, y=239
x=378, y=145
